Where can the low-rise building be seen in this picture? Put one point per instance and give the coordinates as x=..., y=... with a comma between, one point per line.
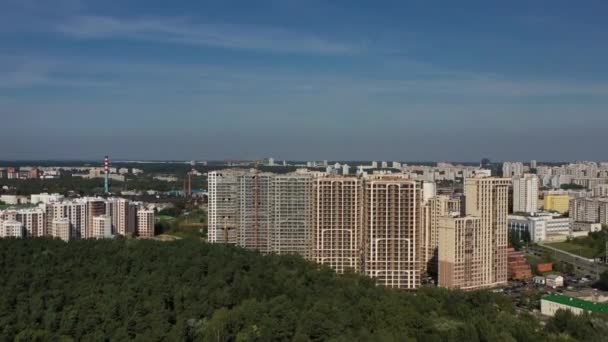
x=45, y=198
x=539, y=280
x=549, y=305
x=518, y=268
x=540, y=227
x=554, y=280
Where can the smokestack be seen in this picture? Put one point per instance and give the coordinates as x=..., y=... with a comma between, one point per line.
x=106, y=167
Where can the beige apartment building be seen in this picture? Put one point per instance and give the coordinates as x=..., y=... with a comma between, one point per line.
x=61, y=229
x=392, y=222
x=435, y=208
x=473, y=249
x=145, y=223
x=124, y=215
x=460, y=262
x=101, y=228
x=336, y=230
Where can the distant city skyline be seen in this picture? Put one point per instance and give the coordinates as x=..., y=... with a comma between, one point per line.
x=340, y=80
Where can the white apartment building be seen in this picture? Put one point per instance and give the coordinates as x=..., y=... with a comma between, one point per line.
x=45, y=198
x=32, y=220
x=291, y=214
x=600, y=190
x=75, y=211
x=525, y=194
x=11, y=229
x=223, y=205
x=512, y=169
x=589, y=209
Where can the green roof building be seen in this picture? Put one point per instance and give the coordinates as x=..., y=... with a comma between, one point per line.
x=549, y=304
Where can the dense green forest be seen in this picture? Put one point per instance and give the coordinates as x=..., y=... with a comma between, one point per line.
x=186, y=290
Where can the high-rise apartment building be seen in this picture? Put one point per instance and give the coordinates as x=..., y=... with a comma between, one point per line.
x=75, y=211
x=32, y=220
x=262, y=211
x=255, y=211
x=589, y=209
x=145, y=223
x=435, y=208
x=291, y=214
x=337, y=222
x=224, y=194
x=124, y=215
x=391, y=226
x=512, y=169
x=525, y=194
x=460, y=254
x=95, y=207
x=473, y=249
x=533, y=164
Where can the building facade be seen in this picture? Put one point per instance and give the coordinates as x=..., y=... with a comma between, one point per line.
x=525, y=194
x=11, y=229
x=461, y=256
x=337, y=223
x=145, y=223
x=101, y=228
x=291, y=214
x=475, y=246
x=392, y=222
x=557, y=202
x=61, y=229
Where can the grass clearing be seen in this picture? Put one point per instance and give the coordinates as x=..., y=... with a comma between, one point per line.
x=574, y=248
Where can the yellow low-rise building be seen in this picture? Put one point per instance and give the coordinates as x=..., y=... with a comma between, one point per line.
x=559, y=203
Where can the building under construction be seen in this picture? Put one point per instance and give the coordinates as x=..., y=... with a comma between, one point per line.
x=255, y=210
x=292, y=214
x=224, y=205
x=262, y=211
x=392, y=221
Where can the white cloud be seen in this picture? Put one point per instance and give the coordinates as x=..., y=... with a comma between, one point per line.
x=27, y=73
x=181, y=31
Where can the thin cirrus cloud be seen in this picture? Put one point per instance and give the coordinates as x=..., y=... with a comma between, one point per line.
x=181, y=31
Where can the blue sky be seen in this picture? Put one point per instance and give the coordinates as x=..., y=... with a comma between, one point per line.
x=397, y=80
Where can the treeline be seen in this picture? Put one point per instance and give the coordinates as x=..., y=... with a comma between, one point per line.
x=146, y=290
x=83, y=186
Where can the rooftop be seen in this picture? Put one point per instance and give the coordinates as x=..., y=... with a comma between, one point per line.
x=577, y=303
